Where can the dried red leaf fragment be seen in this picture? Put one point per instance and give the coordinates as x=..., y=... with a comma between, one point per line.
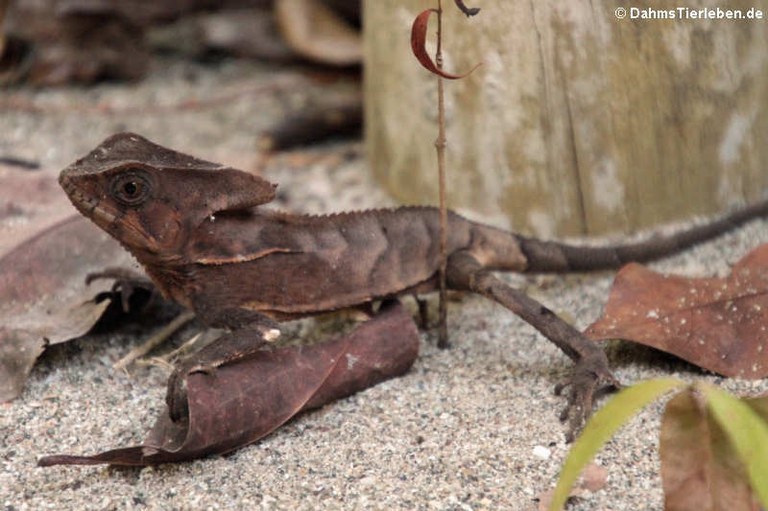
x=419, y=47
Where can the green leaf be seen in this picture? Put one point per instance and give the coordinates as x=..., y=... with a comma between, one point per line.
x=759, y=405
x=601, y=427
x=748, y=433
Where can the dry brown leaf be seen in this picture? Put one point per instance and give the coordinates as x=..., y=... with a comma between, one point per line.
x=318, y=33
x=30, y=201
x=700, y=470
x=43, y=296
x=719, y=324
x=245, y=401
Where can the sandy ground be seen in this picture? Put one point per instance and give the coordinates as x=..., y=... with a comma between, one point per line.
x=464, y=429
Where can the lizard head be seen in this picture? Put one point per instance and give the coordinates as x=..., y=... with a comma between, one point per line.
x=149, y=197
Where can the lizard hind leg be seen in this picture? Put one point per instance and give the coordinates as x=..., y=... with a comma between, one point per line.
x=590, y=372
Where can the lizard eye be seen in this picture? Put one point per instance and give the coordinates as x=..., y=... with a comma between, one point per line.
x=130, y=189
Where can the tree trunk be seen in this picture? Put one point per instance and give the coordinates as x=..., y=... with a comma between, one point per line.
x=578, y=122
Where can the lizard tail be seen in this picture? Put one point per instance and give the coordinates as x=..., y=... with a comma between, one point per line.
x=548, y=256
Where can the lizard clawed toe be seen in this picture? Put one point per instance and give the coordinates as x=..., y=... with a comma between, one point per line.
x=126, y=282
x=589, y=379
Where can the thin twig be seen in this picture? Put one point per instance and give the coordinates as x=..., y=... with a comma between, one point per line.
x=158, y=338
x=22, y=163
x=442, y=326
x=186, y=347
x=160, y=362
x=166, y=360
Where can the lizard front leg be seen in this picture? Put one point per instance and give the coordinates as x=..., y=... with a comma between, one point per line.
x=252, y=332
x=127, y=281
x=591, y=370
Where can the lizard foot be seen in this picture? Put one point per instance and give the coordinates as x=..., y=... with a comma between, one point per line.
x=589, y=379
x=126, y=283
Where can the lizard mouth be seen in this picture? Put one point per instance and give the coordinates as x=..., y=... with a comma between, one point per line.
x=88, y=206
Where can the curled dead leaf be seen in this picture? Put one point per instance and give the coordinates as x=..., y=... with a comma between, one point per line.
x=247, y=400
x=419, y=47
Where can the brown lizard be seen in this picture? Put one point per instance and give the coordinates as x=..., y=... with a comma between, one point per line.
x=200, y=232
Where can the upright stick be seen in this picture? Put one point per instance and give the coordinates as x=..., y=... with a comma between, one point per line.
x=442, y=327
